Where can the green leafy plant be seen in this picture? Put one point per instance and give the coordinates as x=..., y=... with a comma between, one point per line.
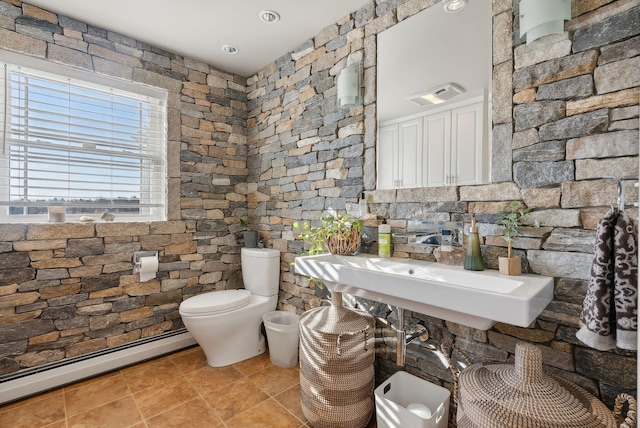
x=244, y=224
x=333, y=227
x=510, y=220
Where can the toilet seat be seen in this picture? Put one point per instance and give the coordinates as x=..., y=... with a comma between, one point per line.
x=215, y=302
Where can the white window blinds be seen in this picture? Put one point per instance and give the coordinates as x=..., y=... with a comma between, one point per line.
x=88, y=147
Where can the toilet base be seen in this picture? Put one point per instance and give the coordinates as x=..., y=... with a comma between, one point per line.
x=230, y=337
x=216, y=359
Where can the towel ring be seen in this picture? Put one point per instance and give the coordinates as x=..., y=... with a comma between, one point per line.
x=620, y=194
x=620, y=198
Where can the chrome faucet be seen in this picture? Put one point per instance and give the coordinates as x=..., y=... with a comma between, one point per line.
x=435, y=233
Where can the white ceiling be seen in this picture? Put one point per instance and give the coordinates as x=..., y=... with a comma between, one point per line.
x=426, y=50
x=199, y=28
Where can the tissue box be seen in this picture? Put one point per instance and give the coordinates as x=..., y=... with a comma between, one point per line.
x=401, y=390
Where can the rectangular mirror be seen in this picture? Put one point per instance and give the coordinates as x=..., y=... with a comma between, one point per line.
x=433, y=99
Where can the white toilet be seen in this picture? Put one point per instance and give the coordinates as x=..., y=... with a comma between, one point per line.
x=227, y=323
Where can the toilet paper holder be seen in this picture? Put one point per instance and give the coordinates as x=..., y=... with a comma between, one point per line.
x=137, y=255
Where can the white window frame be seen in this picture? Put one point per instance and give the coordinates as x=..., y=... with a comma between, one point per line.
x=150, y=190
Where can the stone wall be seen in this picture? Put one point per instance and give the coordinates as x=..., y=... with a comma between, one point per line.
x=565, y=114
x=68, y=289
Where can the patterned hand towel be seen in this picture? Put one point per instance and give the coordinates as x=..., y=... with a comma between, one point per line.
x=597, y=319
x=625, y=280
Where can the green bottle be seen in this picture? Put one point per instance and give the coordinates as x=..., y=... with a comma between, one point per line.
x=384, y=239
x=473, y=260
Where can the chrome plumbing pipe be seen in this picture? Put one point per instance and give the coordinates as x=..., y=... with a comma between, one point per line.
x=402, y=339
x=401, y=344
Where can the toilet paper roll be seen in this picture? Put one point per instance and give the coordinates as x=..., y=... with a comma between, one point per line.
x=148, y=267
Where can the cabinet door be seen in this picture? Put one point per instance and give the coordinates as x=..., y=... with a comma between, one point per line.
x=387, y=148
x=466, y=144
x=410, y=153
x=436, y=153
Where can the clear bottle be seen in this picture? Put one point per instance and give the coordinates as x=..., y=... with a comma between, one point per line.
x=473, y=259
x=384, y=240
x=363, y=206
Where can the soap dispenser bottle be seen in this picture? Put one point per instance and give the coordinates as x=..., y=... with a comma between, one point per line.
x=363, y=206
x=473, y=259
x=384, y=240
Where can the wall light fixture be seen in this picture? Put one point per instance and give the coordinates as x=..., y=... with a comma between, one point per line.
x=348, y=92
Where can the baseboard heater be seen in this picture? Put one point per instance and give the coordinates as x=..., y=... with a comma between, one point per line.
x=31, y=381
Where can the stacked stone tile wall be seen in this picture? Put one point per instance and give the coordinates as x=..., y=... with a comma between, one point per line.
x=68, y=289
x=565, y=113
x=565, y=117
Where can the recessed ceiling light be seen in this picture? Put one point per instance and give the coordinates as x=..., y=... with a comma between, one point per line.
x=269, y=16
x=230, y=49
x=452, y=6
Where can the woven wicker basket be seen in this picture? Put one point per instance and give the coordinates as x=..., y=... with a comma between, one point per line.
x=521, y=395
x=337, y=244
x=336, y=366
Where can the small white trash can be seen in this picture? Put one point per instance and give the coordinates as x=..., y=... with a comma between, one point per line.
x=283, y=332
x=407, y=401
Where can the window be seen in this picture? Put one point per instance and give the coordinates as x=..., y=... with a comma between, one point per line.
x=87, y=146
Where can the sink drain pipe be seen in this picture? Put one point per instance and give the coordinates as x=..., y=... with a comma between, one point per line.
x=402, y=339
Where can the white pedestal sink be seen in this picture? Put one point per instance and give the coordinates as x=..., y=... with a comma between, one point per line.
x=476, y=299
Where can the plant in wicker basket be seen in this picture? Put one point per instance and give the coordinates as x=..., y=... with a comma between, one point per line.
x=340, y=234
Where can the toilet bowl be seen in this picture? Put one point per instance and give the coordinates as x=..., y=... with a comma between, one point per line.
x=227, y=323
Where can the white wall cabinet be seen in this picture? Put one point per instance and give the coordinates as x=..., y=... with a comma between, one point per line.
x=387, y=147
x=436, y=157
x=468, y=154
x=399, y=153
x=439, y=149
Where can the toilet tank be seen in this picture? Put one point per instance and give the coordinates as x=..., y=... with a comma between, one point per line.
x=261, y=270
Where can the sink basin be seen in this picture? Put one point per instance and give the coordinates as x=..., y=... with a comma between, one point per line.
x=476, y=299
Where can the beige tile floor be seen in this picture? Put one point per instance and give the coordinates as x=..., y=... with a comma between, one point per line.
x=177, y=390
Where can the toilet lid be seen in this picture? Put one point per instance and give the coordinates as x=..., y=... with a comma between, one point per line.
x=215, y=302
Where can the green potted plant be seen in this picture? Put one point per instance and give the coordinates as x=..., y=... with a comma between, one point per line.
x=509, y=221
x=250, y=236
x=339, y=234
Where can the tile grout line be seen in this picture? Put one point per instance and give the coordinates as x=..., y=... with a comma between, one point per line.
x=64, y=405
x=273, y=397
x=245, y=377
x=281, y=392
x=173, y=406
x=287, y=408
x=135, y=402
x=98, y=406
x=200, y=395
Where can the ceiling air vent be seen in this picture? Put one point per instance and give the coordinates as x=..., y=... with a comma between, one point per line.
x=437, y=95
